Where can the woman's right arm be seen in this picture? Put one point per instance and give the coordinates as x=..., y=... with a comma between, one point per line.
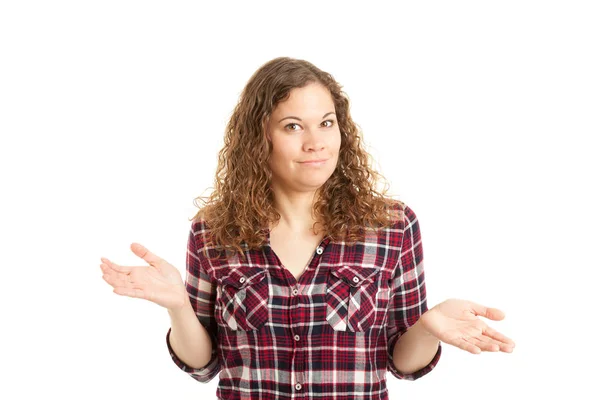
x=188, y=338
x=192, y=337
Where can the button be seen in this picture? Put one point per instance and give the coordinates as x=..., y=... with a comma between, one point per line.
x=298, y=386
x=319, y=250
x=297, y=338
x=295, y=292
x=355, y=279
x=242, y=279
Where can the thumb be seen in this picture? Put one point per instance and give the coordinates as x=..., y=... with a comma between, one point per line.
x=146, y=254
x=487, y=312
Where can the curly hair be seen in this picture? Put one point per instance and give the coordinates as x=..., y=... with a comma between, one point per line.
x=240, y=209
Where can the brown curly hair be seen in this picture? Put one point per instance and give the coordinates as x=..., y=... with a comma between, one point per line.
x=240, y=209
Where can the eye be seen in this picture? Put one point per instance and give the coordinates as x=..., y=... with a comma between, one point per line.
x=286, y=127
x=293, y=123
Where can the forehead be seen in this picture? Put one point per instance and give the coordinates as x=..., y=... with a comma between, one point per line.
x=312, y=98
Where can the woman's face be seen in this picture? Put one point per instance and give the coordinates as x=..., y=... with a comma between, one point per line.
x=304, y=128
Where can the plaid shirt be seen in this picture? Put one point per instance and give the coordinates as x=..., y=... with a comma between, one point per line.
x=329, y=334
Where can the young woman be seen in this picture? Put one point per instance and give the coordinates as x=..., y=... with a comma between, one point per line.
x=302, y=280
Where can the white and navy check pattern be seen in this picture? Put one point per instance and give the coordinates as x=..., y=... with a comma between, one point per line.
x=331, y=334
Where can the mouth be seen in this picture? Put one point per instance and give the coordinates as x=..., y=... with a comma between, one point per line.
x=314, y=162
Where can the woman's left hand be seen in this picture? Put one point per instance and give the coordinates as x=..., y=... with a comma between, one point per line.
x=456, y=322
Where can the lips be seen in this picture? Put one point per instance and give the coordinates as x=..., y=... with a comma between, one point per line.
x=313, y=161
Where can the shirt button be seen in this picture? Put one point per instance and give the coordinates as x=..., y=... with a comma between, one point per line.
x=298, y=386
x=355, y=279
x=295, y=292
x=319, y=250
x=297, y=338
x=242, y=279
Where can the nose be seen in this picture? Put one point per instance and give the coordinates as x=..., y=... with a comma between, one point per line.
x=314, y=141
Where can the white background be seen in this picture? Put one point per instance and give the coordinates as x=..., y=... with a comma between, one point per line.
x=483, y=116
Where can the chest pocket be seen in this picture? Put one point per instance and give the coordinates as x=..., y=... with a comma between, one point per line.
x=243, y=298
x=353, y=293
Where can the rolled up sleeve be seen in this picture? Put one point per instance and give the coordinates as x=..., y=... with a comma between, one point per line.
x=409, y=300
x=202, y=298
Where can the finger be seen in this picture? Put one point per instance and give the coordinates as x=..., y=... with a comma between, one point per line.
x=468, y=346
x=487, y=312
x=106, y=270
x=502, y=346
x=506, y=348
x=146, y=254
x=481, y=345
x=129, y=292
x=494, y=334
x=486, y=344
x=116, y=267
x=112, y=280
x=117, y=280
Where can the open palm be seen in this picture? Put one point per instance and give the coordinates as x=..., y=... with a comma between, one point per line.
x=456, y=322
x=160, y=282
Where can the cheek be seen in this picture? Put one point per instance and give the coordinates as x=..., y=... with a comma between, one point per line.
x=279, y=159
x=283, y=150
x=336, y=143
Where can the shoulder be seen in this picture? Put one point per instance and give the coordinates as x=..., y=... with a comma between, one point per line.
x=199, y=230
x=402, y=215
x=397, y=211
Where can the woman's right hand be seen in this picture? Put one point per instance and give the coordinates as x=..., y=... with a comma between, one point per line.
x=160, y=282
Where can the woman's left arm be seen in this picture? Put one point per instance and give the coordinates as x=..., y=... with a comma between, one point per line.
x=419, y=331
x=412, y=352
x=415, y=349
x=454, y=322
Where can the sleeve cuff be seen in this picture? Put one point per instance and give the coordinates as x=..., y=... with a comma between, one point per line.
x=204, y=374
x=414, y=375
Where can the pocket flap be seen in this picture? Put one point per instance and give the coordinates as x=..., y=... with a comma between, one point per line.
x=242, y=276
x=355, y=275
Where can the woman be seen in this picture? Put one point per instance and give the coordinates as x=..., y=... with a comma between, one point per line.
x=301, y=278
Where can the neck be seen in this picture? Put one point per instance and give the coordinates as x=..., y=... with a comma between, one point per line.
x=296, y=212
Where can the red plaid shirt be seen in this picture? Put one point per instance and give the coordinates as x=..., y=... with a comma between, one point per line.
x=331, y=333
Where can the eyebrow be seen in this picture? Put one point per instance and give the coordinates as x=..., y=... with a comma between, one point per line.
x=301, y=120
